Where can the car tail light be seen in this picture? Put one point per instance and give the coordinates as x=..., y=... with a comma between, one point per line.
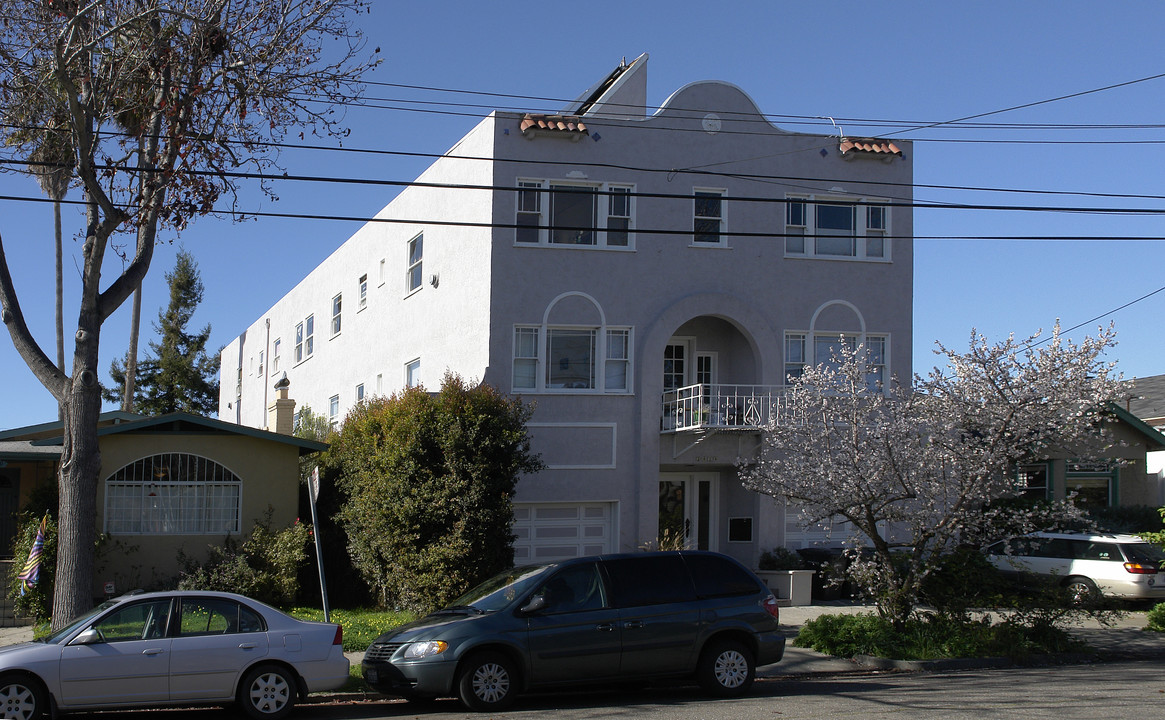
x=339, y=639
x=1137, y=568
x=770, y=606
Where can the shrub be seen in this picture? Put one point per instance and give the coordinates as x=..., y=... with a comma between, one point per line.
x=361, y=627
x=780, y=558
x=931, y=637
x=264, y=566
x=1126, y=519
x=963, y=580
x=1157, y=618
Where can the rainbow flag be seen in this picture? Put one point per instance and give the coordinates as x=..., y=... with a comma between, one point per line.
x=31, y=572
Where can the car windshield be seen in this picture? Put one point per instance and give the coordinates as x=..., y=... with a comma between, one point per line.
x=1144, y=553
x=501, y=589
x=83, y=620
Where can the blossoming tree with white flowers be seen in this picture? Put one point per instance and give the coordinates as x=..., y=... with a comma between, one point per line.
x=913, y=469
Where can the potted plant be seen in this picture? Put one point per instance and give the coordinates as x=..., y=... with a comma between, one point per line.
x=786, y=574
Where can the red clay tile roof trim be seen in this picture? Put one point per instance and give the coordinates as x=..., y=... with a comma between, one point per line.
x=874, y=146
x=567, y=124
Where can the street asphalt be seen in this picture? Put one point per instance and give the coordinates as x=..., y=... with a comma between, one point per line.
x=1125, y=639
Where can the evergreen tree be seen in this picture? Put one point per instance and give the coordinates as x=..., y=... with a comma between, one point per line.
x=177, y=375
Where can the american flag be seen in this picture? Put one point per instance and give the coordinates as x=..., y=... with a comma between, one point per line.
x=31, y=572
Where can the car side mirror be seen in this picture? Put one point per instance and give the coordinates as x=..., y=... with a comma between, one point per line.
x=535, y=604
x=88, y=637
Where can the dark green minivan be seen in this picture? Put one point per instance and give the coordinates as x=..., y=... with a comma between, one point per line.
x=609, y=618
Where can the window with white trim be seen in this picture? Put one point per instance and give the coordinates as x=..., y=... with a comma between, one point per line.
x=363, y=293
x=334, y=409
x=261, y=368
x=708, y=217
x=600, y=215
x=359, y=392
x=802, y=349
x=572, y=358
x=413, y=373
x=305, y=338
x=337, y=304
x=836, y=228
x=275, y=355
x=172, y=494
x=413, y=272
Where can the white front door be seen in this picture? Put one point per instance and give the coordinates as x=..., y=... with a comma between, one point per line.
x=688, y=509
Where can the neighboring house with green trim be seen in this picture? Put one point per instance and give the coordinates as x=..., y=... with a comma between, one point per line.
x=1146, y=400
x=1121, y=478
x=170, y=483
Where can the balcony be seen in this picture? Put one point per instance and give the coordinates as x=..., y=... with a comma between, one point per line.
x=722, y=407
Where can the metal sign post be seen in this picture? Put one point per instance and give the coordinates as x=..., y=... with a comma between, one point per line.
x=313, y=494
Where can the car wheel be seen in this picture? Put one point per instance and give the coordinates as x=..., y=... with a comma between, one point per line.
x=21, y=698
x=1081, y=590
x=726, y=668
x=267, y=692
x=488, y=682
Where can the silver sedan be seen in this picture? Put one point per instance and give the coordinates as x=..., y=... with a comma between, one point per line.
x=174, y=648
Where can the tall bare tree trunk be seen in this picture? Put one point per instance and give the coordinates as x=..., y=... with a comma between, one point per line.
x=131, y=355
x=60, y=310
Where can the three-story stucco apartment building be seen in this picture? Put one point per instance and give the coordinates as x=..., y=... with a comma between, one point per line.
x=650, y=280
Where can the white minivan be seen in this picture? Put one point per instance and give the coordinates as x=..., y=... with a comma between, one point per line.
x=1119, y=566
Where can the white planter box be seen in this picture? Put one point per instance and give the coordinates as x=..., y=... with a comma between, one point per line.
x=792, y=587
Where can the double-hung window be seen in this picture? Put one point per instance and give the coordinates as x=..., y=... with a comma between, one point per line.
x=708, y=217
x=334, y=409
x=803, y=349
x=337, y=304
x=413, y=373
x=575, y=214
x=413, y=272
x=565, y=359
x=363, y=293
x=275, y=355
x=836, y=228
x=304, y=338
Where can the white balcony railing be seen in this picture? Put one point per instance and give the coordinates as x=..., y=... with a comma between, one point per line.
x=705, y=407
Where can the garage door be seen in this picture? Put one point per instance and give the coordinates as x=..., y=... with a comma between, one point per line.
x=556, y=531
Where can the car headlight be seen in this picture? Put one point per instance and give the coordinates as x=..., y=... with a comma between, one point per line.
x=416, y=651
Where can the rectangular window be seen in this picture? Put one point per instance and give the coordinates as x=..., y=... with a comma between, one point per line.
x=363, y=301
x=875, y=231
x=619, y=216
x=304, y=338
x=570, y=358
x=337, y=303
x=359, y=392
x=835, y=230
x=334, y=409
x=708, y=220
x=525, y=358
x=413, y=373
x=275, y=355
x=529, y=212
x=572, y=215
x=261, y=367
x=794, y=356
x=618, y=360
x=413, y=274
x=379, y=383
x=380, y=275
x=1032, y=482
x=794, y=227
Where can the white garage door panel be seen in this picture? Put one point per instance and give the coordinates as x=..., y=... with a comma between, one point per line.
x=556, y=531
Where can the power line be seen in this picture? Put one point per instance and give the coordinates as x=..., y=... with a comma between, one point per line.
x=242, y=215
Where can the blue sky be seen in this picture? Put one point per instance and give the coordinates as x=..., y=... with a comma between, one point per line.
x=909, y=64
